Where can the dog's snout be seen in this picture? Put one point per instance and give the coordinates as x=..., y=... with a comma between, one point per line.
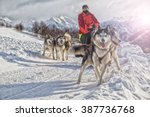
x=103, y=40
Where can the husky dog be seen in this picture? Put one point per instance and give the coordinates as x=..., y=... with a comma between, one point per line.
x=99, y=53
x=49, y=43
x=63, y=43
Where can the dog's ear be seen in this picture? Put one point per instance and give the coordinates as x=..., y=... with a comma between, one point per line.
x=108, y=28
x=93, y=33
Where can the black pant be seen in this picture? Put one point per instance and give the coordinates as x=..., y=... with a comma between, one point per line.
x=86, y=38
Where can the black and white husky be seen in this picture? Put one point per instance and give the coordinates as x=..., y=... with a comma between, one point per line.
x=49, y=43
x=100, y=53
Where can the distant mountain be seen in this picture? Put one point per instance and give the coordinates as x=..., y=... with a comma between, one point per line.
x=120, y=27
x=4, y=21
x=26, y=23
x=62, y=22
x=141, y=38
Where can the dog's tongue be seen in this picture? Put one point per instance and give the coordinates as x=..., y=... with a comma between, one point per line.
x=103, y=45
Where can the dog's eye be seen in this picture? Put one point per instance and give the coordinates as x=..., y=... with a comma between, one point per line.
x=100, y=35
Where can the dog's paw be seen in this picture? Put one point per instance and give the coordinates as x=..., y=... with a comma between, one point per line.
x=53, y=58
x=98, y=84
x=120, y=69
x=109, y=63
x=78, y=82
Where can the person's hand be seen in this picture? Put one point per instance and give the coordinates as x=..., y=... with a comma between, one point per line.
x=90, y=29
x=93, y=27
x=80, y=36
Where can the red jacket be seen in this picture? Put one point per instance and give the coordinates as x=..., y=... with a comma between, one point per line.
x=86, y=21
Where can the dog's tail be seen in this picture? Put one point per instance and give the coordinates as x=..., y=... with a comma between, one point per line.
x=78, y=50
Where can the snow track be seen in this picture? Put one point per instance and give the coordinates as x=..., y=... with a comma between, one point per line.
x=25, y=74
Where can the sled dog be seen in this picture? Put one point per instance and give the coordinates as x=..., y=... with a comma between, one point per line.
x=63, y=43
x=49, y=43
x=99, y=53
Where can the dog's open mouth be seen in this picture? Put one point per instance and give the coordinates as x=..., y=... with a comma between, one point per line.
x=103, y=45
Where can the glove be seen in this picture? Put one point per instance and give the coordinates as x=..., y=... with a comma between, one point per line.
x=93, y=27
x=90, y=29
x=80, y=36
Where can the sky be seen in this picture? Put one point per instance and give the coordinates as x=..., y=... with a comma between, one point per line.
x=44, y=9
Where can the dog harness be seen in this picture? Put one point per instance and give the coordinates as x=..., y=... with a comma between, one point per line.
x=101, y=58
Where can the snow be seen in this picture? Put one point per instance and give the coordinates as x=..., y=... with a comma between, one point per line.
x=11, y=33
x=62, y=22
x=6, y=19
x=25, y=74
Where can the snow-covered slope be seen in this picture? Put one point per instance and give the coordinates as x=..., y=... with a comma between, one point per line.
x=25, y=74
x=5, y=21
x=142, y=39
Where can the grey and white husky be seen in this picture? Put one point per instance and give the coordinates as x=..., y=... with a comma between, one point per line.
x=49, y=43
x=99, y=53
x=63, y=43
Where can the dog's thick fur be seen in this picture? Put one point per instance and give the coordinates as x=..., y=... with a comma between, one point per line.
x=58, y=46
x=49, y=43
x=63, y=43
x=100, y=53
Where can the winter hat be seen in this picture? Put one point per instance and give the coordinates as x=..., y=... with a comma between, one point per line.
x=85, y=6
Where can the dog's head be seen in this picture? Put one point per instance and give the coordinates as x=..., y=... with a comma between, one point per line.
x=102, y=38
x=50, y=41
x=60, y=41
x=67, y=37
